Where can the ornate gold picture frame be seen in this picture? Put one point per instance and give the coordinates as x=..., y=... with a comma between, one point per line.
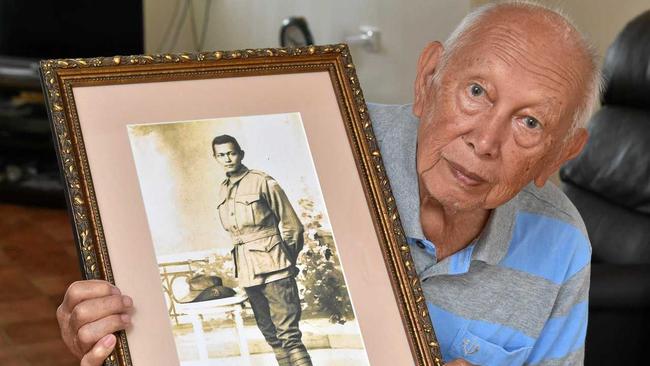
x=101, y=107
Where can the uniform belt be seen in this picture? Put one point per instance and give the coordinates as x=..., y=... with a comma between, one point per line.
x=245, y=238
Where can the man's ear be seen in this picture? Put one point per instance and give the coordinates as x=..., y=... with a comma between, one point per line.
x=427, y=64
x=571, y=150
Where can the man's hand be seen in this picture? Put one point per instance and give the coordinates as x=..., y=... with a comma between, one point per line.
x=90, y=312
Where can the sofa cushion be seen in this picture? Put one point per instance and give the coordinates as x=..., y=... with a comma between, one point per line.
x=615, y=163
x=618, y=235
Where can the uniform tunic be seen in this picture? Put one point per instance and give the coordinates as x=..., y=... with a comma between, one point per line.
x=266, y=232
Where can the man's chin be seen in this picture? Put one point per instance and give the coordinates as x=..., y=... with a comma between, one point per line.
x=453, y=197
x=454, y=203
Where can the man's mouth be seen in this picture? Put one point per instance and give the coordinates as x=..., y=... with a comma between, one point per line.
x=465, y=176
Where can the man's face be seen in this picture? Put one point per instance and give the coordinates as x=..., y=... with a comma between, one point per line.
x=229, y=157
x=496, y=118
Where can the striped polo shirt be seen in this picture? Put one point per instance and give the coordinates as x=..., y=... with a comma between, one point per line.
x=518, y=294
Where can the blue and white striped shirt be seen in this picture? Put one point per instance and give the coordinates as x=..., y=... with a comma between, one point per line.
x=518, y=294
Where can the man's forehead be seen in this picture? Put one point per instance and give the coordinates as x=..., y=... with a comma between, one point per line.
x=530, y=26
x=528, y=20
x=552, y=67
x=524, y=32
x=537, y=57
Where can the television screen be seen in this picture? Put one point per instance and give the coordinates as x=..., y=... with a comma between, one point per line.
x=70, y=28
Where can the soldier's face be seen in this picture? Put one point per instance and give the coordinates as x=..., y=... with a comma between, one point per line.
x=229, y=157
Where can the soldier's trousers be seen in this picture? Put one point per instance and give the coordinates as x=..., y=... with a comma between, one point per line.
x=276, y=306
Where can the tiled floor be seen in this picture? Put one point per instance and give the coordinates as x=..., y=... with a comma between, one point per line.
x=37, y=262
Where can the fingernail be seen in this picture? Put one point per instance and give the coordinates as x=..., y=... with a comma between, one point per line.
x=128, y=302
x=126, y=318
x=115, y=290
x=108, y=341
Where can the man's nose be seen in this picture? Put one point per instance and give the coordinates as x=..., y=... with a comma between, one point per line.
x=487, y=135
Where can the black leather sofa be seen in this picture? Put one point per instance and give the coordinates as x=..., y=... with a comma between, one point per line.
x=610, y=185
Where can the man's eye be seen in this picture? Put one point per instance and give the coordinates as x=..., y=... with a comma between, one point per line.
x=531, y=122
x=476, y=90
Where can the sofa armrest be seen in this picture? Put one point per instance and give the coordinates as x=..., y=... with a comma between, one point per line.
x=619, y=286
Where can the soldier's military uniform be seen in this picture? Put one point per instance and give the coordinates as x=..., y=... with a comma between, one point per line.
x=267, y=237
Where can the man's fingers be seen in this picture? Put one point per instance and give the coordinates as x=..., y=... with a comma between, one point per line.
x=94, y=309
x=90, y=333
x=83, y=290
x=99, y=352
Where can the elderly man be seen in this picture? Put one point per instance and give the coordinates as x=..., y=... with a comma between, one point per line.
x=503, y=257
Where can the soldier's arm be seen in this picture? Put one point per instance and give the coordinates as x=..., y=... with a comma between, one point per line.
x=290, y=226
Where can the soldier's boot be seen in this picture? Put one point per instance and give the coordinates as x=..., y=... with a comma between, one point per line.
x=299, y=357
x=282, y=356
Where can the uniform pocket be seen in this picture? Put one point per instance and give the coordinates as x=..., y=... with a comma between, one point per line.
x=248, y=209
x=247, y=199
x=479, y=351
x=267, y=255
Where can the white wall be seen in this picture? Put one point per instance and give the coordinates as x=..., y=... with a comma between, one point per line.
x=158, y=15
x=385, y=77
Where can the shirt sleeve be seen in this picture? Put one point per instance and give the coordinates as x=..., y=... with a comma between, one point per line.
x=562, y=339
x=289, y=224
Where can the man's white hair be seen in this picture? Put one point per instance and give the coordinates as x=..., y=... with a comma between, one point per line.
x=594, y=78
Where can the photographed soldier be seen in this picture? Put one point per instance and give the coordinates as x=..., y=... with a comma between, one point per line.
x=267, y=237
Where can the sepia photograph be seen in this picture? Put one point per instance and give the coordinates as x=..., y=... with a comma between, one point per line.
x=248, y=262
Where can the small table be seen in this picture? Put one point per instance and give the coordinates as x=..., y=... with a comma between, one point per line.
x=229, y=305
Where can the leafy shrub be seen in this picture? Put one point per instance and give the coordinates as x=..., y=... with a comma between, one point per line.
x=321, y=280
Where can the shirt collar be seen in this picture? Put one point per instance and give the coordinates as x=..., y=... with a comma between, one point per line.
x=237, y=176
x=490, y=246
